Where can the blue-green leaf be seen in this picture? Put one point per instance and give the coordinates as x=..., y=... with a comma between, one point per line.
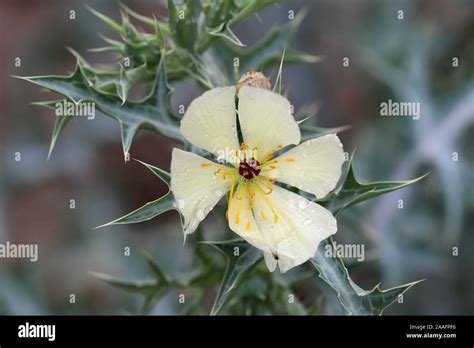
x=224, y=31
x=264, y=54
x=152, y=113
x=151, y=290
x=310, y=132
x=350, y=191
x=183, y=22
x=151, y=209
x=241, y=257
x=353, y=299
x=146, y=212
x=162, y=174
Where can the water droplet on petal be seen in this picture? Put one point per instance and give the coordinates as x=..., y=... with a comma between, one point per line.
x=302, y=205
x=200, y=214
x=181, y=204
x=307, y=222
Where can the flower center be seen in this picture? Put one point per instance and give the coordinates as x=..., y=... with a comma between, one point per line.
x=252, y=186
x=249, y=168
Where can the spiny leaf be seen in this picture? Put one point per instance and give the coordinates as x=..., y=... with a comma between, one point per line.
x=278, y=80
x=59, y=124
x=353, y=299
x=151, y=209
x=222, y=15
x=183, y=22
x=272, y=45
x=310, y=132
x=224, y=31
x=237, y=267
x=350, y=191
x=160, y=276
x=162, y=174
x=129, y=77
x=109, y=21
x=144, y=19
x=249, y=8
x=378, y=300
x=152, y=290
x=264, y=54
x=153, y=112
x=147, y=212
x=141, y=287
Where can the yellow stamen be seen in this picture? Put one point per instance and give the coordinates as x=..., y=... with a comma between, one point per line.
x=269, y=154
x=259, y=205
x=270, y=162
x=206, y=165
x=275, y=215
x=239, y=198
x=268, y=169
x=231, y=197
x=267, y=185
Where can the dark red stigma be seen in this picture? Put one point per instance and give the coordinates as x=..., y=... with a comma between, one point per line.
x=249, y=168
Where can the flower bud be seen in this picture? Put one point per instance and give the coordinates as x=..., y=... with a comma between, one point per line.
x=253, y=79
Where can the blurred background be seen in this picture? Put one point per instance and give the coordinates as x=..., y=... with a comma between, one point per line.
x=409, y=59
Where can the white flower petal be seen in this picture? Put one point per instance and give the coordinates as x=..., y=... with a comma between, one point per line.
x=195, y=186
x=265, y=120
x=210, y=121
x=313, y=166
x=242, y=221
x=270, y=261
x=293, y=237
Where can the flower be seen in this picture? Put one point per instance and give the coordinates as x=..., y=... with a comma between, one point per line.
x=286, y=226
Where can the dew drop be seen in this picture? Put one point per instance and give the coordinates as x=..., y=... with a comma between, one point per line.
x=302, y=205
x=200, y=214
x=307, y=222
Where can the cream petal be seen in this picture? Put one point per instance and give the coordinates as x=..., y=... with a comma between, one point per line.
x=294, y=235
x=196, y=187
x=241, y=219
x=270, y=261
x=210, y=121
x=265, y=120
x=313, y=166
